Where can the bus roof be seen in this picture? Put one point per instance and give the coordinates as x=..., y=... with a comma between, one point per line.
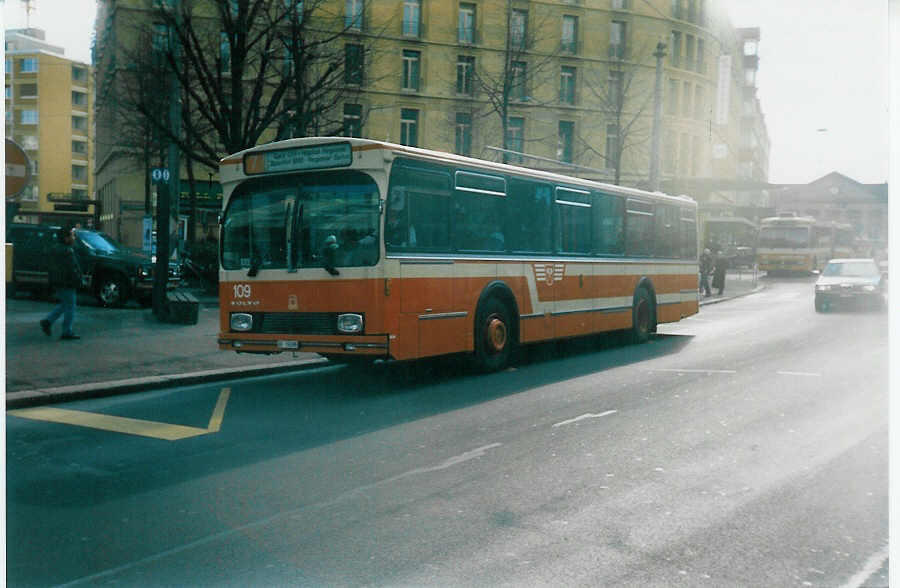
x=358, y=144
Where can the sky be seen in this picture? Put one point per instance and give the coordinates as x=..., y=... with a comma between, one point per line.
x=823, y=65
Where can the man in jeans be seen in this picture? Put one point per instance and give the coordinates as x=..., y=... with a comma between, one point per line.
x=65, y=278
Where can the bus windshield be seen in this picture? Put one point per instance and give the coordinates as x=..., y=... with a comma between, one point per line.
x=784, y=237
x=302, y=220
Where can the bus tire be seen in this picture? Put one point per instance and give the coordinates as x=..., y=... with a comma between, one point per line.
x=494, y=335
x=641, y=317
x=820, y=304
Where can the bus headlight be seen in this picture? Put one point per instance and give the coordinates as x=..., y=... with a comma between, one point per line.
x=350, y=323
x=869, y=288
x=823, y=287
x=241, y=321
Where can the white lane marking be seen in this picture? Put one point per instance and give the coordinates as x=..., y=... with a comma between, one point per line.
x=585, y=416
x=871, y=566
x=808, y=374
x=694, y=371
x=297, y=512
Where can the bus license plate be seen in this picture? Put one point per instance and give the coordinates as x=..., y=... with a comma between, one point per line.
x=289, y=345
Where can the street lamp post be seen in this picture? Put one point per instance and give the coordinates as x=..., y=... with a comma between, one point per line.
x=657, y=118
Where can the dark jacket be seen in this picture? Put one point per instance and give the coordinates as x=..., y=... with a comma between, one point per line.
x=719, y=272
x=706, y=263
x=64, y=270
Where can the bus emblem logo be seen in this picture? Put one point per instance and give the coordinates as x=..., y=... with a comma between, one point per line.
x=293, y=304
x=549, y=272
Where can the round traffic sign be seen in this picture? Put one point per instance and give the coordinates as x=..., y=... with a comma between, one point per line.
x=18, y=169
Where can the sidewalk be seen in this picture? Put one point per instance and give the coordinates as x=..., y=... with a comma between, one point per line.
x=738, y=282
x=120, y=350
x=127, y=350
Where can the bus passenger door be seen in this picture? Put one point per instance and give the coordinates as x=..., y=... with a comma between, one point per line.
x=426, y=306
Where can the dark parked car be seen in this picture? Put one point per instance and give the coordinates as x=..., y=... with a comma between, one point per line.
x=113, y=273
x=850, y=281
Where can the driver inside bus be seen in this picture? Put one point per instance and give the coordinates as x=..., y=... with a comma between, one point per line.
x=397, y=230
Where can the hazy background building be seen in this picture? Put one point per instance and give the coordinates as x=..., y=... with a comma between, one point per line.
x=49, y=113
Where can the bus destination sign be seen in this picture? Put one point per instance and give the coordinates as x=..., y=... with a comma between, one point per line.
x=298, y=158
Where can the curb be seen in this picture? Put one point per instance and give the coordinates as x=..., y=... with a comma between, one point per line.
x=726, y=298
x=29, y=398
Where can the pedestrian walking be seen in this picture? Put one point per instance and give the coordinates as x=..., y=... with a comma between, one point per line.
x=65, y=278
x=721, y=266
x=706, y=268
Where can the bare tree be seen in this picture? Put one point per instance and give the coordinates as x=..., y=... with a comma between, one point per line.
x=247, y=70
x=624, y=93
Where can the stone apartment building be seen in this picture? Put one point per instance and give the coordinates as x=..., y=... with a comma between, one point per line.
x=575, y=80
x=49, y=113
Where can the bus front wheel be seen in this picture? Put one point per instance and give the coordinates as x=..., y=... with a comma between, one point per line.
x=494, y=338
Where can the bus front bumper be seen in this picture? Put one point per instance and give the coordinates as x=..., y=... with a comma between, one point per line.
x=368, y=345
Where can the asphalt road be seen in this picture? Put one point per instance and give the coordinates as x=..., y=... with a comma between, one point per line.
x=746, y=446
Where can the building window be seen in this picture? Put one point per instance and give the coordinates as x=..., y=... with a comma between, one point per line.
x=9, y=63
x=619, y=4
x=570, y=34
x=567, y=85
x=412, y=13
x=683, y=154
x=287, y=62
x=701, y=59
x=28, y=117
x=79, y=98
x=699, y=99
x=750, y=47
x=79, y=194
x=352, y=120
x=616, y=89
x=79, y=123
x=672, y=107
x=79, y=147
x=409, y=127
x=517, y=90
x=79, y=173
x=411, y=70
x=463, y=133
x=27, y=90
x=28, y=65
x=8, y=92
x=675, y=57
x=686, y=100
x=676, y=9
x=518, y=29
x=689, y=52
x=515, y=137
x=466, y=23
x=224, y=52
x=353, y=64
x=353, y=17
x=612, y=144
x=692, y=10
x=79, y=74
x=566, y=140
x=30, y=143
x=298, y=9
x=617, y=36
x=465, y=72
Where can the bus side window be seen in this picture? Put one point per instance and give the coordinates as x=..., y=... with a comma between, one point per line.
x=418, y=209
x=639, y=228
x=609, y=224
x=529, y=227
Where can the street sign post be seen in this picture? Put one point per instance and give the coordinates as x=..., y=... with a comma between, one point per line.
x=18, y=169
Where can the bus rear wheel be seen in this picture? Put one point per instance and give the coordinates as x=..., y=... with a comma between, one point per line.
x=641, y=317
x=494, y=338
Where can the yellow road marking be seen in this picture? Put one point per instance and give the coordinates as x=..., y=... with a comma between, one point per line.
x=116, y=424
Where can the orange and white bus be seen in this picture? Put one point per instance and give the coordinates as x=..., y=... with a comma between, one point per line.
x=353, y=247
x=789, y=242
